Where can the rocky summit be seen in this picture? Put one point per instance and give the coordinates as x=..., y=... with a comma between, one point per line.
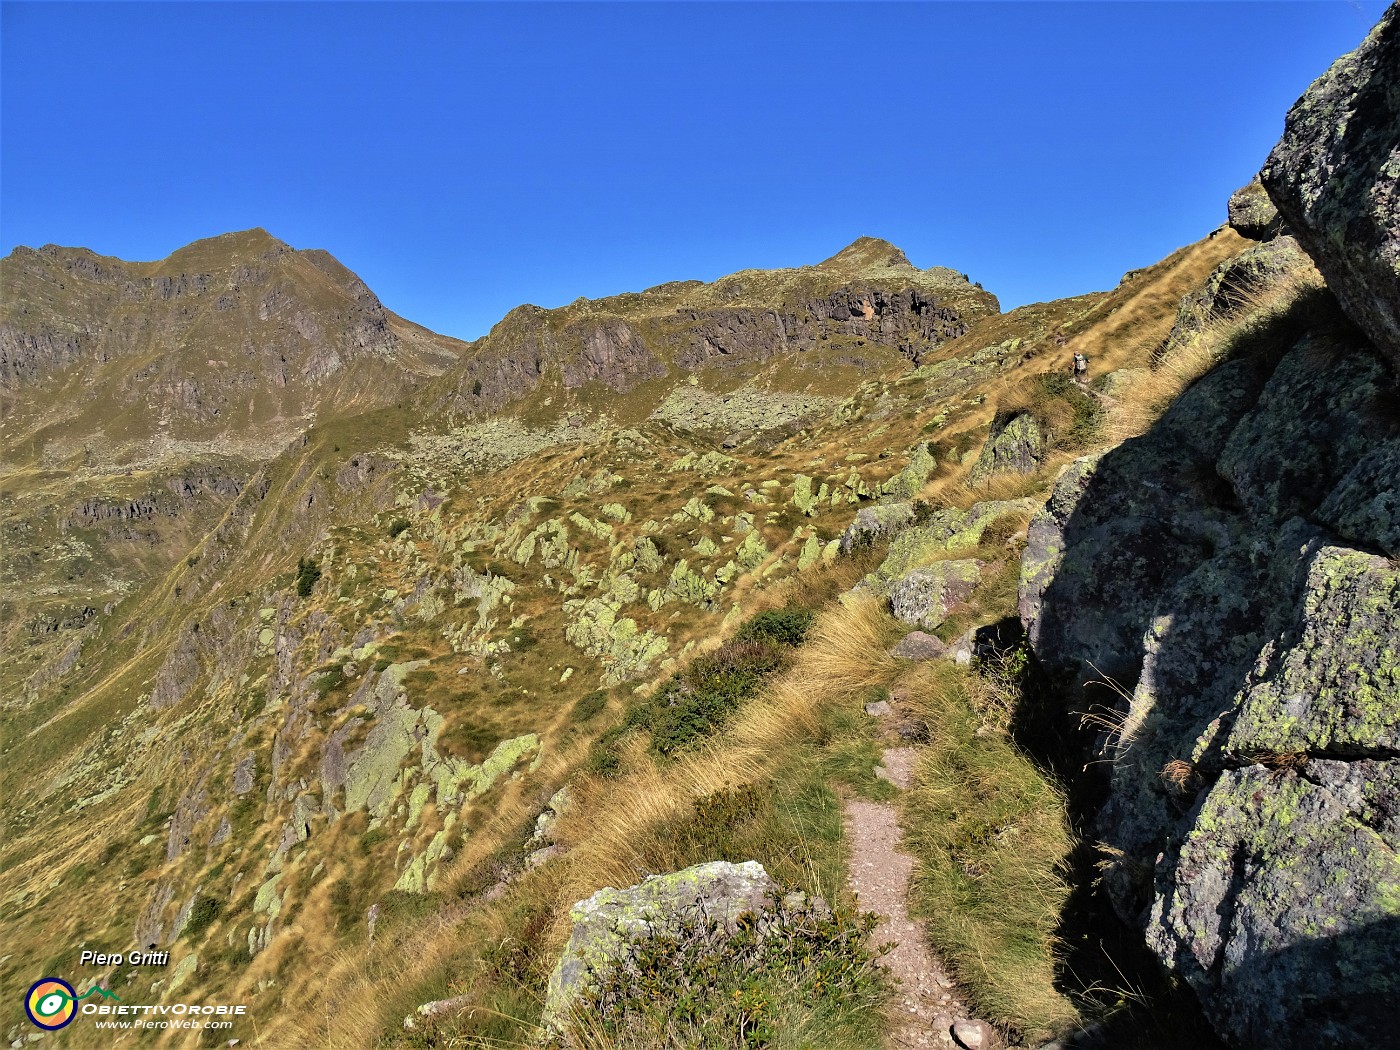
x=534, y=690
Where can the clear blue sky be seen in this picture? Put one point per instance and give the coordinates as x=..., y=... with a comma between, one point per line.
x=465, y=158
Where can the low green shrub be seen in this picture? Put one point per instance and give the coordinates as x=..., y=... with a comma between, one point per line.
x=787, y=626
x=589, y=705
x=700, y=700
x=202, y=915
x=308, y=572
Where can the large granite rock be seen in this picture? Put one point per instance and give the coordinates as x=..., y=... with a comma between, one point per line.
x=1015, y=445
x=1251, y=213
x=611, y=920
x=925, y=596
x=1334, y=177
x=1222, y=571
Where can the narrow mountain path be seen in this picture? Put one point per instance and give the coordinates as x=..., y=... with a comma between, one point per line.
x=926, y=1003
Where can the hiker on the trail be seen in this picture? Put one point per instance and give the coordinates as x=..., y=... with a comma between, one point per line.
x=1080, y=369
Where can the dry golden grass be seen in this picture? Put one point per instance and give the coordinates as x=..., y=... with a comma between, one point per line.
x=1142, y=402
x=613, y=830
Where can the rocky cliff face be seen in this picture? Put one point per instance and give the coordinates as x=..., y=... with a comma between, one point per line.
x=864, y=304
x=239, y=337
x=1234, y=573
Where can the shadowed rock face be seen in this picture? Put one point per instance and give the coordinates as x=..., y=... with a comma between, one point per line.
x=1335, y=177
x=1233, y=569
x=1208, y=567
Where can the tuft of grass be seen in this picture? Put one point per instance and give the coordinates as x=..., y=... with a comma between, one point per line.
x=808, y=979
x=203, y=913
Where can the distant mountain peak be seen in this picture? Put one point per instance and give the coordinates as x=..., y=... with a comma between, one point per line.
x=865, y=253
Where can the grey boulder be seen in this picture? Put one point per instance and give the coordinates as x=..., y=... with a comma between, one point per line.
x=1334, y=178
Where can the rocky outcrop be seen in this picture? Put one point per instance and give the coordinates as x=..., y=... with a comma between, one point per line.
x=943, y=532
x=1234, y=286
x=1015, y=445
x=1252, y=214
x=608, y=924
x=1222, y=572
x=875, y=523
x=866, y=300
x=925, y=596
x=1334, y=177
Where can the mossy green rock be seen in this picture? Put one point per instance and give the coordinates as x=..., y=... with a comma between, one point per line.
x=751, y=552
x=948, y=530
x=911, y=479
x=268, y=901
x=624, y=649
x=874, y=523
x=1331, y=684
x=689, y=585
x=1015, y=446
x=802, y=497
x=607, y=922
x=925, y=596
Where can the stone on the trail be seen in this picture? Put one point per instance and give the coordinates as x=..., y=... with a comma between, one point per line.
x=916, y=645
x=974, y=1035
x=878, y=709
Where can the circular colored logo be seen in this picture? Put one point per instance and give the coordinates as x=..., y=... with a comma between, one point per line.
x=51, y=1003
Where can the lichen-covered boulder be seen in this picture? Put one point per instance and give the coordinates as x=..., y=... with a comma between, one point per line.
x=874, y=523
x=1251, y=213
x=1015, y=445
x=947, y=530
x=607, y=922
x=1334, y=178
x=802, y=496
x=925, y=596
x=1284, y=912
x=911, y=479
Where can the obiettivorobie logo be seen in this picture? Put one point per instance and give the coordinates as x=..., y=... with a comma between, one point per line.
x=52, y=1003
